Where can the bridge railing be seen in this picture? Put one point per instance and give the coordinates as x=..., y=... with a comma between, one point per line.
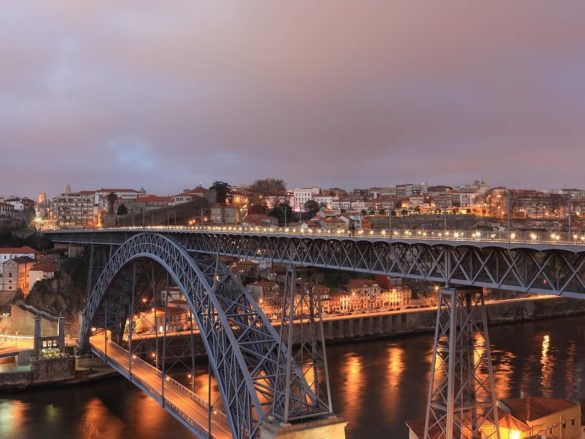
x=156, y=393
x=518, y=236
x=171, y=382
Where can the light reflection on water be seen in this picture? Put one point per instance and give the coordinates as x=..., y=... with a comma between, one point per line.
x=375, y=385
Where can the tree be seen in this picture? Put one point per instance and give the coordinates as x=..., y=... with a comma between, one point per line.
x=122, y=210
x=222, y=189
x=111, y=199
x=268, y=186
x=363, y=212
x=311, y=205
x=283, y=212
x=382, y=211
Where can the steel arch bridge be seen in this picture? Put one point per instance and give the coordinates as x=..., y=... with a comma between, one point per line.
x=545, y=267
x=243, y=348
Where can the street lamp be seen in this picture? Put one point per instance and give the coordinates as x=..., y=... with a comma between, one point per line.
x=509, y=202
x=570, y=211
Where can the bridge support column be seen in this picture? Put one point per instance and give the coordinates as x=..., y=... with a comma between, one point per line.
x=330, y=428
x=461, y=400
x=302, y=325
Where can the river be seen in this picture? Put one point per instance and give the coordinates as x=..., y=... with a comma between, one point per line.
x=376, y=386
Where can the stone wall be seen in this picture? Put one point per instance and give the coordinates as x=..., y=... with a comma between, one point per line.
x=15, y=380
x=54, y=370
x=6, y=297
x=41, y=372
x=23, y=322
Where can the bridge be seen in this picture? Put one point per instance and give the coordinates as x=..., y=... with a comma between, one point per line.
x=260, y=383
x=263, y=388
x=173, y=396
x=531, y=262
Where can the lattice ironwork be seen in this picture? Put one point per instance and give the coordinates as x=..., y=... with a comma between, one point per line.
x=241, y=343
x=301, y=330
x=523, y=267
x=461, y=402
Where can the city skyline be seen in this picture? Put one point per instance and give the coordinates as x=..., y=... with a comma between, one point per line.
x=121, y=96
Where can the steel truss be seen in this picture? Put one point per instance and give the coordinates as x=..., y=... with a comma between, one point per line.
x=462, y=401
x=534, y=268
x=301, y=330
x=242, y=346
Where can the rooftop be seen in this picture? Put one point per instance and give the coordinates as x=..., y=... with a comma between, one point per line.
x=532, y=407
x=18, y=250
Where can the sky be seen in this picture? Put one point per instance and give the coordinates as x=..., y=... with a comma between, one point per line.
x=169, y=95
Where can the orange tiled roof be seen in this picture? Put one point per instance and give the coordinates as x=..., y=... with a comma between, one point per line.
x=46, y=267
x=116, y=190
x=509, y=422
x=17, y=250
x=153, y=199
x=358, y=283
x=532, y=407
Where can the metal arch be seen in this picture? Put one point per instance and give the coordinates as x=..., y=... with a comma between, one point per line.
x=205, y=307
x=241, y=344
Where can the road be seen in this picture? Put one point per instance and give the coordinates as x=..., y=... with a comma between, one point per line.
x=179, y=397
x=357, y=315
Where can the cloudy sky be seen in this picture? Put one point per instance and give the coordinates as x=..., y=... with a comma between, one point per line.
x=167, y=95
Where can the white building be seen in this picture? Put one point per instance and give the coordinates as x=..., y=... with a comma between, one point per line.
x=6, y=210
x=18, y=205
x=302, y=195
x=123, y=196
x=9, y=253
x=324, y=200
x=41, y=271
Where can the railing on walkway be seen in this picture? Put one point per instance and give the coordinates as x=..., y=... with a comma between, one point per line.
x=156, y=393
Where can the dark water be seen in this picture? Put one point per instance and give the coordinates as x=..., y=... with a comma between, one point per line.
x=376, y=386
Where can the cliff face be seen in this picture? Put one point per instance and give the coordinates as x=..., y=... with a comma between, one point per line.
x=65, y=293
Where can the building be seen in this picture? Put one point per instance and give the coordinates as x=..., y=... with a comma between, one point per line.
x=16, y=274
x=268, y=296
x=530, y=417
x=41, y=271
x=153, y=321
x=540, y=417
x=324, y=200
x=259, y=220
x=224, y=215
x=123, y=196
x=263, y=289
x=302, y=195
x=192, y=194
x=144, y=203
x=16, y=203
x=408, y=190
x=75, y=209
x=7, y=210
x=8, y=253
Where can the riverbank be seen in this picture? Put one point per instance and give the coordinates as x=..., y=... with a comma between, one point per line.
x=53, y=374
x=417, y=321
x=339, y=330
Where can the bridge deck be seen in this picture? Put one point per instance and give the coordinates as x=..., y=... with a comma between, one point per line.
x=187, y=407
x=537, y=240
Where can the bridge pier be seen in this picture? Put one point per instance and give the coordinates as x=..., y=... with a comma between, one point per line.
x=461, y=400
x=328, y=428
